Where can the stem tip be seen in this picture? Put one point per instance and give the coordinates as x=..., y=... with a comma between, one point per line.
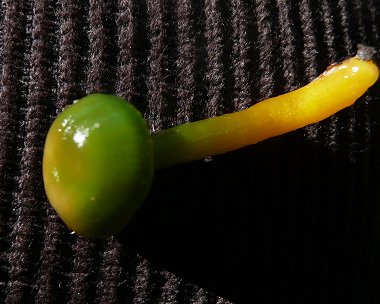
x=365, y=53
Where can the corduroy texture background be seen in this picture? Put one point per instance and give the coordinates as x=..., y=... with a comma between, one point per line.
x=294, y=219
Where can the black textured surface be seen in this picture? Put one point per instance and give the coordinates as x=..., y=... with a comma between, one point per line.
x=295, y=219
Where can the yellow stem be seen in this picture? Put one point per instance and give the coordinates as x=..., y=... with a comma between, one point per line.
x=337, y=88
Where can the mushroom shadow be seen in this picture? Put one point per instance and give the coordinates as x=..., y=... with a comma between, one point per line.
x=283, y=220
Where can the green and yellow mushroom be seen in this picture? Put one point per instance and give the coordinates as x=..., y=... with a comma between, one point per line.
x=99, y=157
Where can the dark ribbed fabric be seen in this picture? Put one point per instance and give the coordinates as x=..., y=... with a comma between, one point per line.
x=294, y=219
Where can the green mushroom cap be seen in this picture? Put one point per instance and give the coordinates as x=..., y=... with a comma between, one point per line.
x=98, y=164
